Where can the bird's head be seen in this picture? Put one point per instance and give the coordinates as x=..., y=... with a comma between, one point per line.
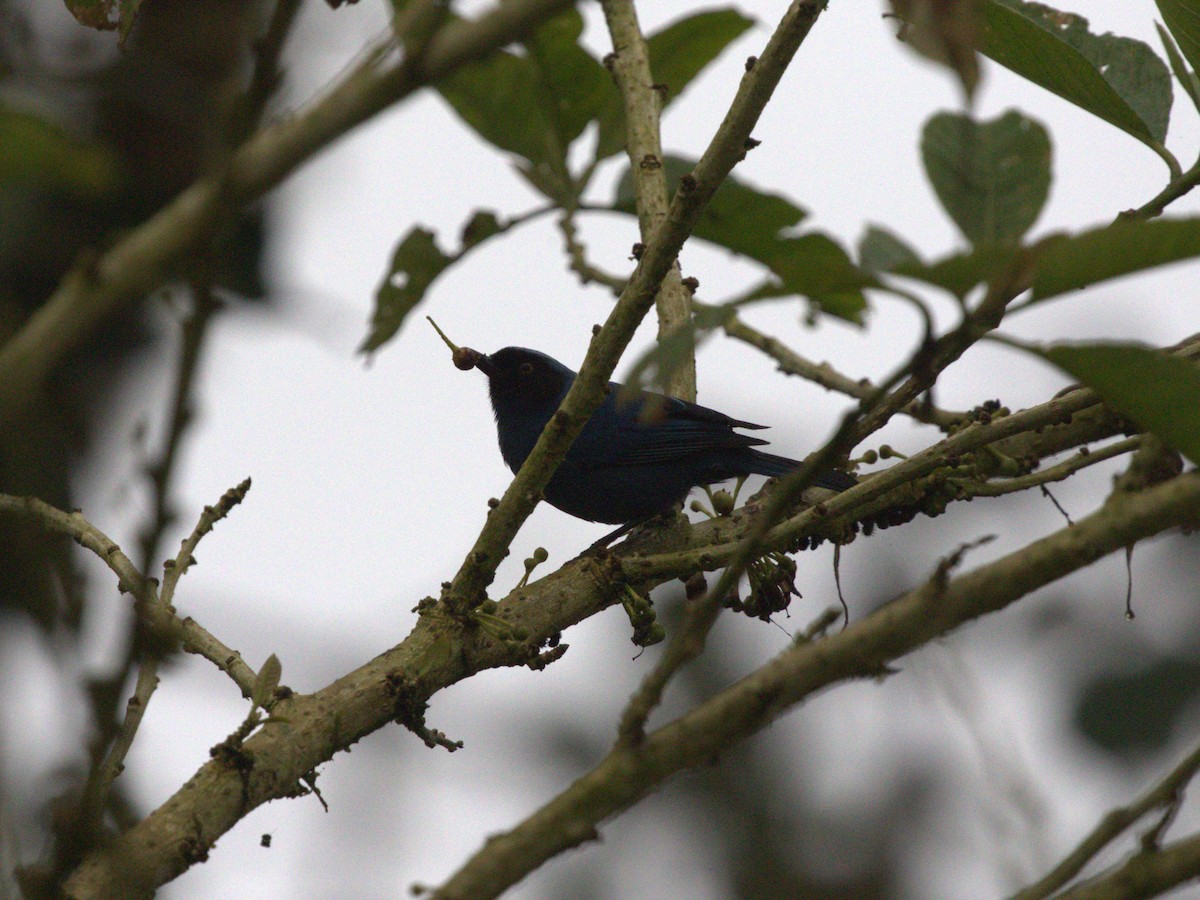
x=524, y=381
x=521, y=381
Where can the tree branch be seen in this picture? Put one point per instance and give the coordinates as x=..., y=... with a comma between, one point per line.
x=149, y=254
x=1113, y=825
x=723, y=153
x=862, y=650
x=1145, y=874
x=442, y=650
x=630, y=65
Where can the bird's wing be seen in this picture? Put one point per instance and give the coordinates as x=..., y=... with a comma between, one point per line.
x=649, y=434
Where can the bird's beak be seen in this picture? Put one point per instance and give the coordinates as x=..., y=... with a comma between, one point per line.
x=484, y=364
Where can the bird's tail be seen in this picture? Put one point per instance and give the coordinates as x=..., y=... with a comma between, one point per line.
x=771, y=465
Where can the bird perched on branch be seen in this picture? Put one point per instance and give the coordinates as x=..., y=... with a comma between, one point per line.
x=637, y=456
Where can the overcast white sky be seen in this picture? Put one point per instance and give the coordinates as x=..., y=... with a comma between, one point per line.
x=370, y=482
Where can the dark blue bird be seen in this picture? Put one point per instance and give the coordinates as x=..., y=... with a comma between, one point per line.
x=636, y=457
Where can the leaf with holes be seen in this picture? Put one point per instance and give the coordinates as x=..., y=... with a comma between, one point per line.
x=1119, y=79
x=416, y=262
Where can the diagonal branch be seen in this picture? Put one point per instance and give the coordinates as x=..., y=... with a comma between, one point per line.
x=1113, y=825
x=1145, y=874
x=863, y=649
x=148, y=255
x=440, y=651
x=696, y=189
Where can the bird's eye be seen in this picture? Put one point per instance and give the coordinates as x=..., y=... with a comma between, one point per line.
x=526, y=368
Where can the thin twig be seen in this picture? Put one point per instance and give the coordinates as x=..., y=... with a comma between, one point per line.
x=173, y=569
x=686, y=644
x=1059, y=472
x=1115, y=823
x=577, y=257
x=826, y=376
x=149, y=254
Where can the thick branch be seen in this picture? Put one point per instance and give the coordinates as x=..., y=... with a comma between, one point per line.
x=1114, y=824
x=441, y=651
x=862, y=650
x=1145, y=874
x=147, y=256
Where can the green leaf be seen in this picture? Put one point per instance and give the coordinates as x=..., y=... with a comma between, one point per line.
x=816, y=266
x=1120, y=80
x=499, y=98
x=1182, y=17
x=534, y=105
x=33, y=150
x=678, y=53
x=575, y=87
x=416, y=262
x=479, y=228
x=962, y=272
x=750, y=222
x=1068, y=263
x=684, y=48
x=739, y=217
x=1184, y=75
x=943, y=31
x=881, y=251
x=992, y=178
x=1160, y=392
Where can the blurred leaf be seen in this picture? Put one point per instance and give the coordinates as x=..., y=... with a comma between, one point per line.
x=499, y=98
x=537, y=104
x=33, y=150
x=682, y=50
x=655, y=368
x=416, y=262
x=881, y=251
x=1137, y=712
x=960, y=273
x=1067, y=263
x=575, y=86
x=816, y=266
x=751, y=222
x=1182, y=17
x=739, y=217
x=992, y=178
x=479, y=228
x=1118, y=79
x=678, y=53
x=1183, y=74
x=1159, y=392
x=945, y=31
